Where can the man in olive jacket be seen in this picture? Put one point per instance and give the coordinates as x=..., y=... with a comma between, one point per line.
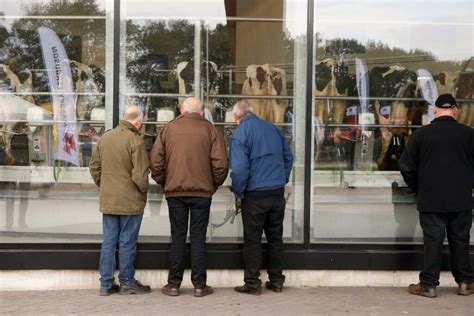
x=120, y=168
x=438, y=164
x=189, y=160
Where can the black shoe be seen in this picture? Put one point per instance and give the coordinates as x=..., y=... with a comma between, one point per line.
x=170, y=291
x=275, y=288
x=248, y=290
x=207, y=290
x=111, y=290
x=134, y=288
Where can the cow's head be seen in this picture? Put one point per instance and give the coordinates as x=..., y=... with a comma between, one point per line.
x=261, y=76
x=441, y=77
x=323, y=74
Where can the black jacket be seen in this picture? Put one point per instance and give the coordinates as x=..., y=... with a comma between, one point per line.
x=438, y=164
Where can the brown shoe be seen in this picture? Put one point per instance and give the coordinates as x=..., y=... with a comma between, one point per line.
x=170, y=291
x=418, y=289
x=248, y=290
x=275, y=288
x=207, y=290
x=466, y=288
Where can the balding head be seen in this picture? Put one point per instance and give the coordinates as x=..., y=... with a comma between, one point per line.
x=192, y=105
x=241, y=109
x=134, y=115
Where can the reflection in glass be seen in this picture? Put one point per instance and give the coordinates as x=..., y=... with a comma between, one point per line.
x=377, y=74
x=43, y=199
x=234, y=49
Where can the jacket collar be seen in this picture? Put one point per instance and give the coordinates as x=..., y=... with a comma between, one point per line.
x=191, y=115
x=444, y=118
x=127, y=125
x=248, y=117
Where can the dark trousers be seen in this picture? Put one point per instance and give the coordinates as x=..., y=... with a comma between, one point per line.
x=435, y=226
x=263, y=214
x=179, y=209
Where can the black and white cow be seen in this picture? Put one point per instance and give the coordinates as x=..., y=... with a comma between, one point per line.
x=394, y=82
x=332, y=80
x=266, y=80
x=211, y=83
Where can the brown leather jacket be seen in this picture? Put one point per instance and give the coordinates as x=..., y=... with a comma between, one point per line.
x=189, y=157
x=120, y=168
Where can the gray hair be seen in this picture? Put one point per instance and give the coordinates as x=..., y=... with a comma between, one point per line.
x=192, y=104
x=132, y=113
x=242, y=108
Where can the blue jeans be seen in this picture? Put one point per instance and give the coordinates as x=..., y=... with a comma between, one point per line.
x=121, y=231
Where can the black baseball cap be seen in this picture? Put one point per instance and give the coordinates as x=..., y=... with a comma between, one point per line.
x=446, y=101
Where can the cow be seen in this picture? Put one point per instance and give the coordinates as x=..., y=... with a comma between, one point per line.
x=445, y=81
x=393, y=82
x=8, y=113
x=464, y=89
x=211, y=83
x=85, y=82
x=265, y=80
x=332, y=80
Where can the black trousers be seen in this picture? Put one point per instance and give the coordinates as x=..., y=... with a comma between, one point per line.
x=435, y=226
x=179, y=209
x=263, y=214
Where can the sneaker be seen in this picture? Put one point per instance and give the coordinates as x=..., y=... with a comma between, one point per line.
x=207, y=290
x=134, y=288
x=170, y=291
x=418, y=289
x=466, y=288
x=108, y=291
x=275, y=288
x=248, y=290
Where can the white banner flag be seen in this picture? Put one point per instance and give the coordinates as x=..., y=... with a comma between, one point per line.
x=365, y=118
x=60, y=81
x=428, y=90
x=362, y=77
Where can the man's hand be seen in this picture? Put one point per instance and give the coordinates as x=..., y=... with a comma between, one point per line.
x=238, y=204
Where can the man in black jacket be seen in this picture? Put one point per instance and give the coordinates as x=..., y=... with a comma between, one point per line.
x=438, y=165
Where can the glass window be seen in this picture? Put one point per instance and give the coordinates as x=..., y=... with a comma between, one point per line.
x=52, y=109
x=212, y=49
x=378, y=67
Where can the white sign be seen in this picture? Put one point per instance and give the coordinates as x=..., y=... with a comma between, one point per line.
x=60, y=81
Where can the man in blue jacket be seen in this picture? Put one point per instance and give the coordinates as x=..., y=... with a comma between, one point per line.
x=260, y=162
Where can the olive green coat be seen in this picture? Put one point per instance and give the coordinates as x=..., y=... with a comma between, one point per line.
x=120, y=168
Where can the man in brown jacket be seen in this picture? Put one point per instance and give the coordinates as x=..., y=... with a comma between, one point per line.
x=189, y=160
x=120, y=168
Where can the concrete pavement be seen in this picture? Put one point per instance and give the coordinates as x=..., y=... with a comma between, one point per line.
x=293, y=301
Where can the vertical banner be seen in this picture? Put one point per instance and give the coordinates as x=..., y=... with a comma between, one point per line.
x=362, y=77
x=364, y=151
x=60, y=81
x=428, y=90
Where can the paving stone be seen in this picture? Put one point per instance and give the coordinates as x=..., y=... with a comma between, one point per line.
x=293, y=301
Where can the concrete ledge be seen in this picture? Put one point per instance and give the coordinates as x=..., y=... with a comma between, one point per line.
x=26, y=280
